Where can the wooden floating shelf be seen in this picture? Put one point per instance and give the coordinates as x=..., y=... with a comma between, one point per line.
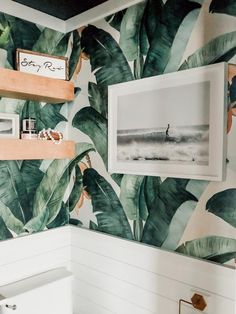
x=14, y=149
x=20, y=85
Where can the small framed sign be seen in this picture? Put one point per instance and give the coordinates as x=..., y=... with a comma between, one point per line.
x=42, y=64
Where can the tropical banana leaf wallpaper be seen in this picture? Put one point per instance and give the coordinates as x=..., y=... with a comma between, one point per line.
x=191, y=217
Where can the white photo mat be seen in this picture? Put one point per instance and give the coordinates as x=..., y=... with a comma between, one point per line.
x=120, y=97
x=9, y=126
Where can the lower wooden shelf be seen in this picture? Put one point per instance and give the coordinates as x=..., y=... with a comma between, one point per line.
x=14, y=149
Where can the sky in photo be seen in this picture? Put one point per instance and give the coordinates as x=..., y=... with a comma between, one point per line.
x=183, y=105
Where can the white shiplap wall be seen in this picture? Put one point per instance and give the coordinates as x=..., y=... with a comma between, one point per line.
x=32, y=254
x=112, y=275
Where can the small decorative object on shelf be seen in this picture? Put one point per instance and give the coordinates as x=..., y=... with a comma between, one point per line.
x=28, y=125
x=29, y=136
x=9, y=125
x=49, y=134
x=29, y=129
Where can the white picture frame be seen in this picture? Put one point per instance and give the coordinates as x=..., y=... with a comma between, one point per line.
x=9, y=126
x=171, y=125
x=42, y=64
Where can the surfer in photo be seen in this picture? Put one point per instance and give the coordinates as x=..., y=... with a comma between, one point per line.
x=167, y=131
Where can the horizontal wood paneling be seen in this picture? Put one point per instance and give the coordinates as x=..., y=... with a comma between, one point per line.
x=33, y=254
x=191, y=271
x=105, y=299
x=112, y=275
x=120, y=274
x=84, y=305
x=123, y=290
x=126, y=279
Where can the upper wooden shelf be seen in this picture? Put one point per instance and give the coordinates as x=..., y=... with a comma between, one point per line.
x=14, y=149
x=20, y=85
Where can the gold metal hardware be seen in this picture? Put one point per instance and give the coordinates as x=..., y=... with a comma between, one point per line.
x=197, y=301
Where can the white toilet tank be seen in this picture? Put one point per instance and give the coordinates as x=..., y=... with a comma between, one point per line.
x=45, y=293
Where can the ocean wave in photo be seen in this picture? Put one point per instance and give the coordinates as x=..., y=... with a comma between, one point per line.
x=179, y=144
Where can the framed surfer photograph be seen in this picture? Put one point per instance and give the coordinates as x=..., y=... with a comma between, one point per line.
x=9, y=125
x=171, y=125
